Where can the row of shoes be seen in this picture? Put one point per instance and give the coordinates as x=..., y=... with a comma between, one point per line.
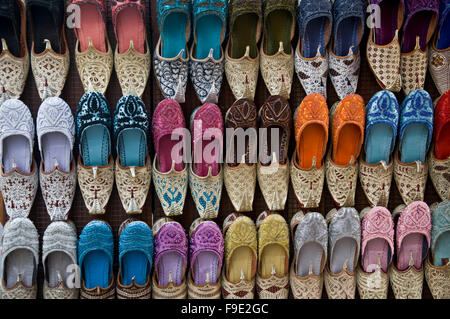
x=341, y=252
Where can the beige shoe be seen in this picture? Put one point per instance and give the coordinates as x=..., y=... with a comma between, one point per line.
x=240, y=182
x=413, y=68
x=438, y=279
x=376, y=181
x=439, y=170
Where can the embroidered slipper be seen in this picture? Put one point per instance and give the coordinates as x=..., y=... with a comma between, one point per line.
x=205, y=173
x=310, y=237
x=343, y=251
x=93, y=53
x=133, y=165
x=238, y=275
x=311, y=136
x=375, y=165
x=437, y=264
x=20, y=251
x=57, y=175
x=135, y=260
x=206, y=247
x=348, y=118
x=345, y=58
x=416, y=131
x=311, y=57
x=59, y=254
x=383, y=46
x=377, y=250
x=95, y=258
x=171, y=56
x=273, y=161
x=419, y=26
x=14, y=57
x=19, y=176
x=277, y=56
x=241, y=53
x=171, y=249
x=170, y=175
x=413, y=232
x=240, y=168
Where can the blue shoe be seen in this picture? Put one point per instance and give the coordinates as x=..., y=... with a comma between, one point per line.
x=440, y=234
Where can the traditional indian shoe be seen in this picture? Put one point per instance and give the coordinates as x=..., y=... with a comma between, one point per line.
x=238, y=275
x=383, y=46
x=413, y=232
x=133, y=166
x=273, y=162
x=19, y=175
x=93, y=53
x=348, y=118
x=242, y=55
x=344, y=233
x=310, y=237
x=59, y=254
x=439, y=55
x=57, y=174
x=135, y=260
x=376, y=163
x=277, y=54
x=171, y=249
x=239, y=167
x=170, y=175
x=377, y=251
x=207, y=58
x=50, y=59
x=171, y=56
x=311, y=135
x=95, y=259
x=206, y=247
x=419, y=26
x=311, y=56
x=344, y=59
x=14, y=57
x=416, y=131
x=440, y=151
x=272, y=275
x=95, y=167
x=205, y=173
x=437, y=263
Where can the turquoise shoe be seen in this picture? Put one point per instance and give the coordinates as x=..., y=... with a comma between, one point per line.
x=440, y=234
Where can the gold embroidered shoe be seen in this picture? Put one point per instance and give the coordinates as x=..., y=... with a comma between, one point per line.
x=439, y=64
x=238, y=275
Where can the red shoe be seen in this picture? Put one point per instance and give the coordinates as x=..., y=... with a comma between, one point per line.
x=442, y=127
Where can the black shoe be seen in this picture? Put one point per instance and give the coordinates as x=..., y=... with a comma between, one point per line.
x=10, y=26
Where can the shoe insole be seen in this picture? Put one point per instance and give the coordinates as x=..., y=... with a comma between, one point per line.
x=414, y=143
x=19, y=262
x=348, y=144
x=314, y=37
x=96, y=269
x=442, y=250
x=343, y=253
x=205, y=267
x=412, y=244
x=209, y=33
x=45, y=28
x=273, y=259
x=240, y=264
x=389, y=22
x=379, y=143
x=170, y=266
x=375, y=248
x=57, y=262
x=243, y=34
x=309, y=256
x=311, y=146
x=56, y=146
x=135, y=266
x=8, y=32
x=130, y=27
x=95, y=146
x=417, y=27
x=347, y=36
x=132, y=148
x=442, y=143
x=91, y=26
x=16, y=150
x=173, y=35
x=278, y=29
x=165, y=147
x=444, y=33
